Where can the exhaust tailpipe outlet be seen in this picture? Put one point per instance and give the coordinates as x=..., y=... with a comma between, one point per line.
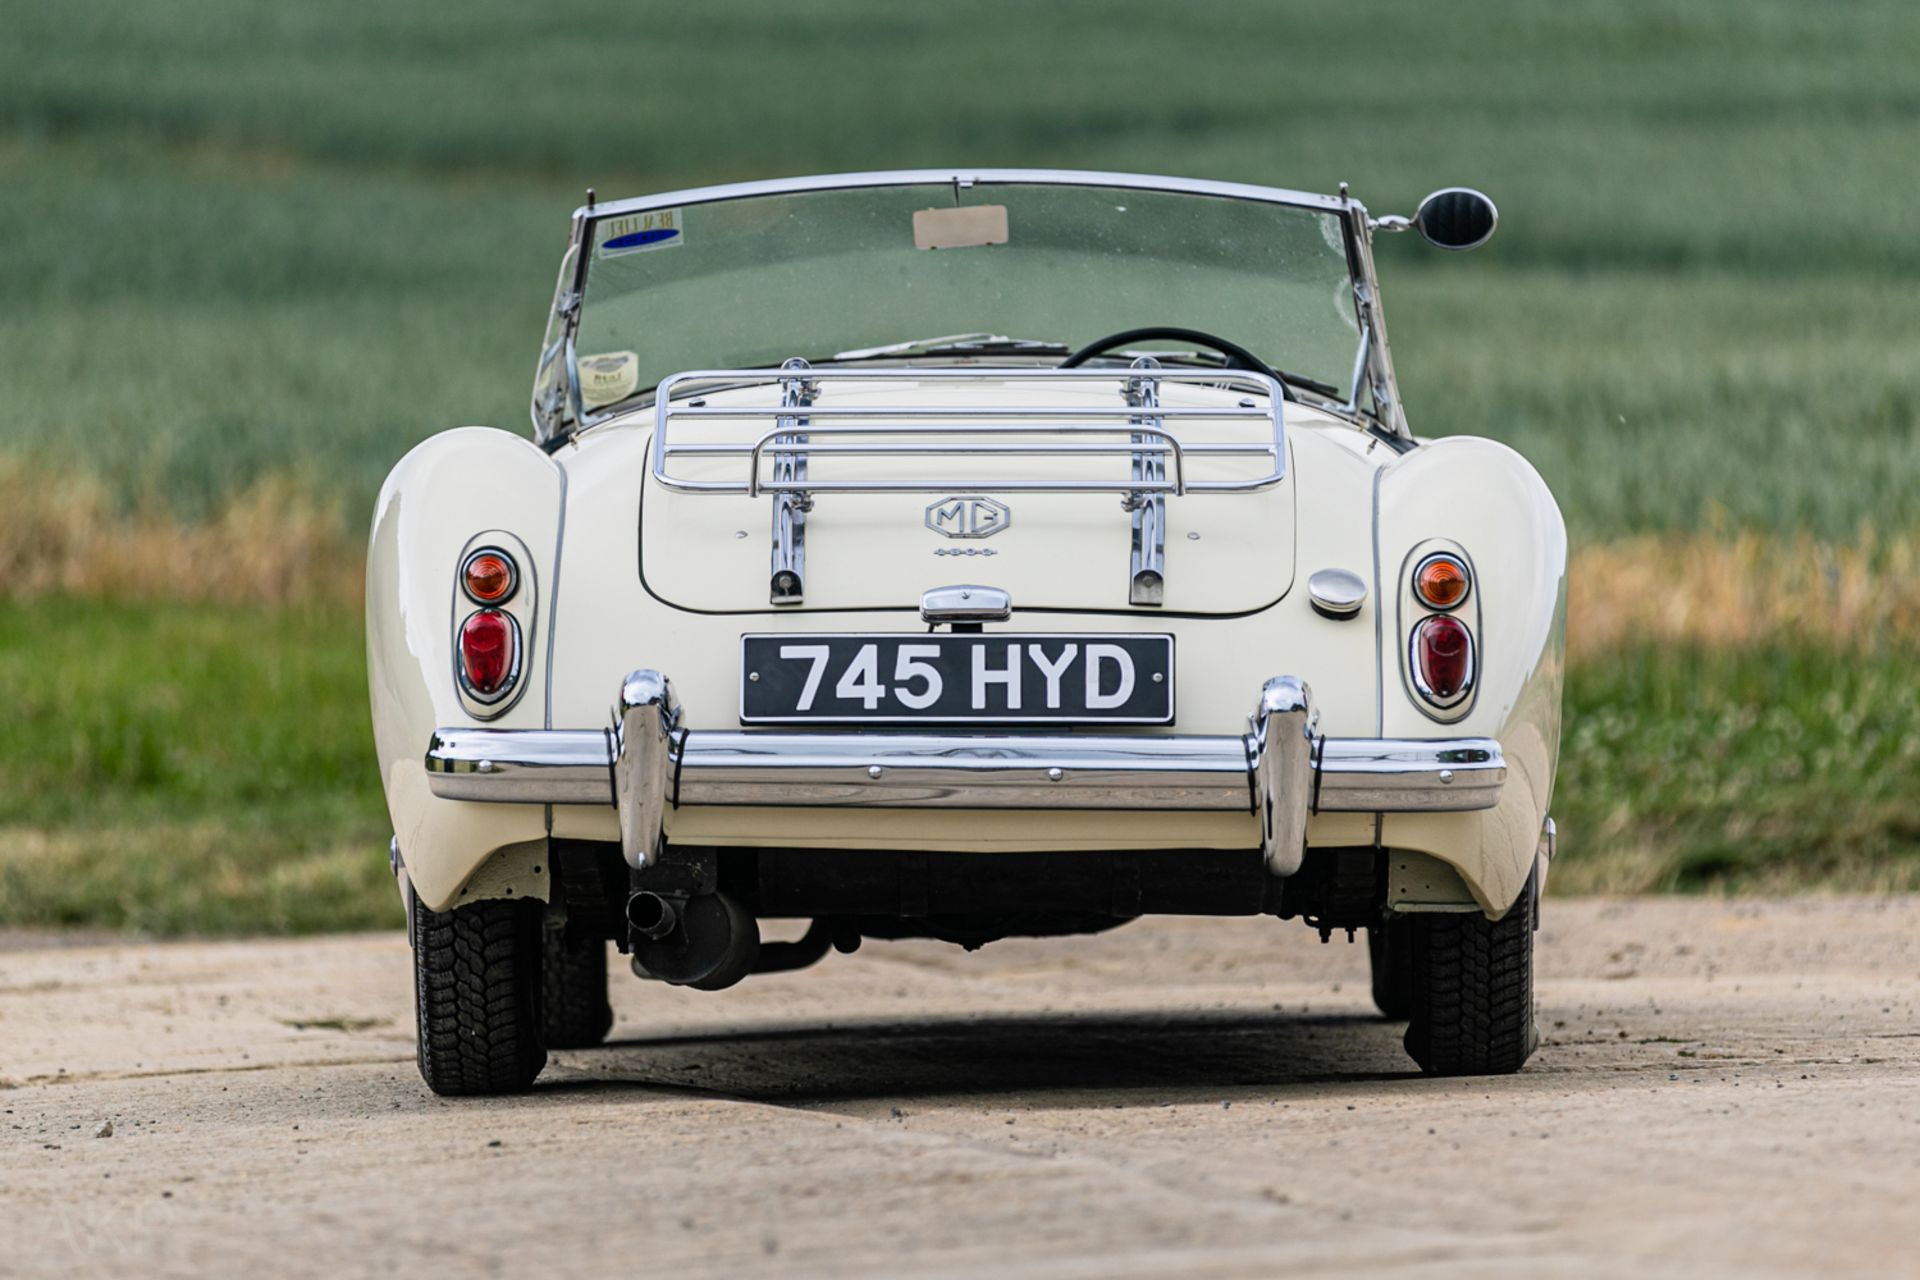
x=651, y=916
x=713, y=944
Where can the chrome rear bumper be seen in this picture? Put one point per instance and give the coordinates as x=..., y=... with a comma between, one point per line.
x=1281, y=771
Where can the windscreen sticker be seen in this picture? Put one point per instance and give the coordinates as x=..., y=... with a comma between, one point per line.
x=608, y=377
x=639, y=232
x=963, y=227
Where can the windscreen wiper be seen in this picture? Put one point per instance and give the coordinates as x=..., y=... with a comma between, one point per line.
x=1213, y=360
x=956, y=344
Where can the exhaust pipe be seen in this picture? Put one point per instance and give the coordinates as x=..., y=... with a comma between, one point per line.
x=651, y=916
x=706, y=942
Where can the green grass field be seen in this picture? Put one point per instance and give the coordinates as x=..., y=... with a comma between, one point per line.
x=243, y=242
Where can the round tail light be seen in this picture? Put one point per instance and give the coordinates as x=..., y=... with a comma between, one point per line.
x=1441, y=581
x=1443, y=660
x=489, y=654
x=489, y=577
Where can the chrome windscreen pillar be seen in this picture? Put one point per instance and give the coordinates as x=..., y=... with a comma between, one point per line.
x=646, y=753
x=789, y=581
x=1146, y=581
x=1280, y=753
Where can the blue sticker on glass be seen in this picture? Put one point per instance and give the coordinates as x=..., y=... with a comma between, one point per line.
x=641, y=239
x=639, y=232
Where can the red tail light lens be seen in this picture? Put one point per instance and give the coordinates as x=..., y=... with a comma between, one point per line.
x=1443, y=659
x=488, y=577
x=489, y=653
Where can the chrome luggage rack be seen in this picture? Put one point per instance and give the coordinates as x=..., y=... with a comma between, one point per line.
x=1137, y=428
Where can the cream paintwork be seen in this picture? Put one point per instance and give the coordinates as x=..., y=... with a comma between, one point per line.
x=1486, y=498
x=1476, y=492
x=447, y=489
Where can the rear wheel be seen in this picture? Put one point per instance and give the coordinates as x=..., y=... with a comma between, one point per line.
x=1470, y=993
x=478, y=996
x=573, y=972
x=1391, y=955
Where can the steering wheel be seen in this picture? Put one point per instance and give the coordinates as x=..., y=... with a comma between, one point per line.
x=1238, y=357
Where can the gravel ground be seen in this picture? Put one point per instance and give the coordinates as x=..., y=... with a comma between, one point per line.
x=1723, y=1087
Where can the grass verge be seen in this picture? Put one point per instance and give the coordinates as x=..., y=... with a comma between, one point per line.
x=207, y=768
x=188, y=768
x=1784, y=767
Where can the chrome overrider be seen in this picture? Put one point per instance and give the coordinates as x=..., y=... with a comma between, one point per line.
x=647, y=764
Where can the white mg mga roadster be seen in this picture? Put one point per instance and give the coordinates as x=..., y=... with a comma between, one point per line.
x=963, y=555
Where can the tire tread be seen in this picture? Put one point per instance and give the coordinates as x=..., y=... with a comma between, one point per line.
x=1472, y=992
x=478, y=997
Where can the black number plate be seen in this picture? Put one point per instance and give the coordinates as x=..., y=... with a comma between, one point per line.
x=941, y=678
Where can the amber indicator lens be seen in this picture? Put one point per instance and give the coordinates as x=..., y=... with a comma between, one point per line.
x=489, y=577
x=486, y=651
x=1445, y=653
x=1441, y=582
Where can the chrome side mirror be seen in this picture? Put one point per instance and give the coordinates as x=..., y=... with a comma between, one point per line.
x=1452, y=218
x=1456, y=218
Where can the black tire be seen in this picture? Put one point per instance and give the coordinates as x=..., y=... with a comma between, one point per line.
x=477, y=993
x=1391, y=955
x=574, y=973
x=1471, y=994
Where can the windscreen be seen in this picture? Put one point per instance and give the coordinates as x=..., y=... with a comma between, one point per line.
x=751, y=281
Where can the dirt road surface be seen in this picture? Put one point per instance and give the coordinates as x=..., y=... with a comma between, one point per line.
x=1723, y=1088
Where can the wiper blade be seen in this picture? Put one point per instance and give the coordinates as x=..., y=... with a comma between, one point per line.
x=1214, y=360
x=953, y=344
x=1314, y=385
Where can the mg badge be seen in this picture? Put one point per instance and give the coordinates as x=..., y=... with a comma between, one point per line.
x=969, y=517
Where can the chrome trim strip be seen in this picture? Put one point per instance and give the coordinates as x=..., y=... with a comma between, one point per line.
x=964, y=771
x=521, y=766
x=553, y=603
x=574, y=766
x=962, y=177
x=909, y=373
x=1440, y=775
x=1278, y=772
x=1379, y=617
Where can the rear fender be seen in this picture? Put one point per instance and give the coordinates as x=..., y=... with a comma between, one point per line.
x=446, y=491
x=1490, y=502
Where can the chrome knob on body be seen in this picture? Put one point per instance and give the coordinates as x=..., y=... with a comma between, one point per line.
x=1337, y=593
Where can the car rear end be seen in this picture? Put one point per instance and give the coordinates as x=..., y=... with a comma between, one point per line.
x=888, y=614
x=958, y=646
